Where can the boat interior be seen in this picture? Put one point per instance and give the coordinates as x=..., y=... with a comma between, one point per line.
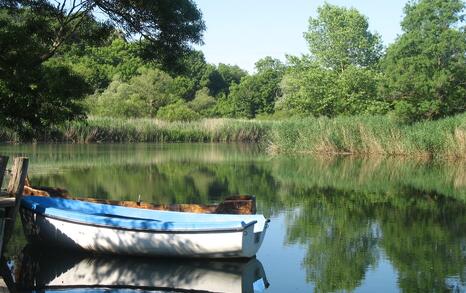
x=239, y=204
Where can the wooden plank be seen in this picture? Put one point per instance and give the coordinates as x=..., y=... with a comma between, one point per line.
x=3, y=164
x=15, y=188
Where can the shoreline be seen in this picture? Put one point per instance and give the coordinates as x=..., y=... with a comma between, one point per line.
x=367, y=136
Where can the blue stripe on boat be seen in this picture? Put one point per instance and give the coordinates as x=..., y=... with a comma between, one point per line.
x=134, y=218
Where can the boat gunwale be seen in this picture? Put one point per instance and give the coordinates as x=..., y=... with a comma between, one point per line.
x=157, y=231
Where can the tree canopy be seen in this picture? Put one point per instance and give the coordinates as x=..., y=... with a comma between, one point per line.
x=63, y=59
x=339, y=37
x=169, y=26
x=37, y=90
x=426, y=67
x=340, y=75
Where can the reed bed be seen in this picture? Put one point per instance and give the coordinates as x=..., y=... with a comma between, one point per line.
x=371, y=135
x=356, y=135
x=153, y=130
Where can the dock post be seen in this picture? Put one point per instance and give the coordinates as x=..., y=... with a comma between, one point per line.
x=3, y=163
x=15, y=188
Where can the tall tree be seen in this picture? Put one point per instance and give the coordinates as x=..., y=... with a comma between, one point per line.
x=340, y=76
x=256, y=94
x=33, y=95
x=426, y=67
x=339, y=37
x=34, y=31
x=169, y=26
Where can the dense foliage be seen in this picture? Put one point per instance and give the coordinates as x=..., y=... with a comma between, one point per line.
x=340, y=75
x=255, y=94
x=426, y=67
x=339, y=37
x=99, y=69
x=40, y=87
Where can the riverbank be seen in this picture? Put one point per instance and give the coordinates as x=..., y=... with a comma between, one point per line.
x=360, y=135
x=371, y=135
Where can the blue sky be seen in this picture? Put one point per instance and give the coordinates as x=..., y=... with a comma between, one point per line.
x=243, y=31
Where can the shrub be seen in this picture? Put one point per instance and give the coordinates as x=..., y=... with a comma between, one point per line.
x=142, y=96
x=203, y=103
x=178, y=111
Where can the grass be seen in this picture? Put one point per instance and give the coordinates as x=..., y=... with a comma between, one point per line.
x=371, y=135
x=357, y=135
x=153, y=130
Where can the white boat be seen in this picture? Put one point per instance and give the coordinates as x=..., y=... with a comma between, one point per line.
x=108, y=228
x=48, y=271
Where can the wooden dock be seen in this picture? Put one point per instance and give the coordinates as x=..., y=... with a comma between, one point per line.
x=10, y=200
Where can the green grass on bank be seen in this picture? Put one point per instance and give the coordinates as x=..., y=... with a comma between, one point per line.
x=153, y=130
x=371, y=135
x=362, y=135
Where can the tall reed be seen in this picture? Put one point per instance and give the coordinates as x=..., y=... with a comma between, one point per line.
x=371, y=135
x=152, y=130
x=359, y=135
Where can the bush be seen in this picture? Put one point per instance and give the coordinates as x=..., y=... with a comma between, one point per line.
x=178, y=111
x=142, y=96
x=203, y=103
x=425, y=72
x=311, y=88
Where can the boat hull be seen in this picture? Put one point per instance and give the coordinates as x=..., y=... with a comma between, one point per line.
x=46, y=230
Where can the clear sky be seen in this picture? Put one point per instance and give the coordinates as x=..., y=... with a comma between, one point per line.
x=243, y=31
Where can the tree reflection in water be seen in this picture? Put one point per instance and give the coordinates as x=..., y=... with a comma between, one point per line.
x=423, y=236
x=349, y=214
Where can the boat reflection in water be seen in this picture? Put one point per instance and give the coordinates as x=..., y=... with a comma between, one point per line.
x=50, y=271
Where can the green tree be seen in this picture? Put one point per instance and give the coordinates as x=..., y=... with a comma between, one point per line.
x=231, y=74
x=142, y=96
x=33, y=32
x=426, y=68
x=339, y=37
x=191, y=65
x=340, y=76
x=309, y=88
x=99, y=64
x=256, y=94
x=168, y=26
x=33, y=95
x=203, y=103
x=178, y=111
x=213, y=80
x=218, y=79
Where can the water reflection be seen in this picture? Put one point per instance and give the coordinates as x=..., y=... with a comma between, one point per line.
x=347, y=220
x=341, y=239
x=67, y=271
x=345, y=233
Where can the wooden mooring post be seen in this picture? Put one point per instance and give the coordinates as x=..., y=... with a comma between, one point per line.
x=14, y=193
x=10, y=201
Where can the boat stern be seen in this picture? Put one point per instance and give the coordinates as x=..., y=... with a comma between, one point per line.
x=253, y=237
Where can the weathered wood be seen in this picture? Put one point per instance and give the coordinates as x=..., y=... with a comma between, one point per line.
x=242, y=204
x=15, y=188
x=18, y=176
x=3, y=164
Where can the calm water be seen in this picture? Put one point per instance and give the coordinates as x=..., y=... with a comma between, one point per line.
x=338, y=224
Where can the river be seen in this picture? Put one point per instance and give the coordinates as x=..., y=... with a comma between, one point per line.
x=337, y=223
